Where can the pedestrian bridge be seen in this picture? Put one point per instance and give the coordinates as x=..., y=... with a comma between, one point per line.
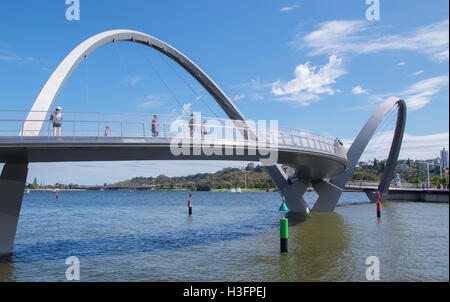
x=84, y=138
x=27, y=137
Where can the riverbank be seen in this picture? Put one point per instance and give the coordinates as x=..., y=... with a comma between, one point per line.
x=146, y=189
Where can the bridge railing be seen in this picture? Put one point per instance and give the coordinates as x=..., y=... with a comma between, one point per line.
x=138, y=125
x=374, y=184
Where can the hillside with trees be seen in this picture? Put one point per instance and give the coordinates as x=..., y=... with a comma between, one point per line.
x=410, y=171
x=227, y=178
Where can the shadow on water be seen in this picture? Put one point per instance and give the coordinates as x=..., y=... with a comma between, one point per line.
x=318, y=246
x=296, y=218
x=6, y=267
x=132, y=243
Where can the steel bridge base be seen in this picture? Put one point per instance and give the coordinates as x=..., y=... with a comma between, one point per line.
x=329, y=195
x=293, y=195
x=293, y=192
x=12, y=184
x=372, y=195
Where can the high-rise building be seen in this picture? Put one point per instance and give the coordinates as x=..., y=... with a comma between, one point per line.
x=444, y=159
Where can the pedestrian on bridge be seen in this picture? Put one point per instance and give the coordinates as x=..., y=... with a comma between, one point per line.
x=192, y=123
x=155, y=125
x=107, y=131
x=205, y=129
x=56, y=119
x=336, y=145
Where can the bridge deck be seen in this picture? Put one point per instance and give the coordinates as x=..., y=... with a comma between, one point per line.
x=313, y=164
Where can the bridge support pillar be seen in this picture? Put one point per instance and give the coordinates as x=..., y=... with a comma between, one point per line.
x=12, y=184
x=292, y=191
x=372, y=195
x=293, y=195
x=329, y=195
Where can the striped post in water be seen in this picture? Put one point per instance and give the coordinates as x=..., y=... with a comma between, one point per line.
x=284, y=228
x=190, y=204
x=378, y=205
x=284, y=235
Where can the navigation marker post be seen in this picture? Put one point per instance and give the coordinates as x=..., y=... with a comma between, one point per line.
x=190, y=204
x=284, y=228
x=378, y=205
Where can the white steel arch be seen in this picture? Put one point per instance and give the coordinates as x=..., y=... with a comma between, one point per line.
x=43, y=103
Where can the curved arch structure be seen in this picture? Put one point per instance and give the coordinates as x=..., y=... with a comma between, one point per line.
x=332, y=190
x=43, y=104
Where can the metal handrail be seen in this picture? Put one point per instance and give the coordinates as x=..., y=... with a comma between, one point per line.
x=93, y=128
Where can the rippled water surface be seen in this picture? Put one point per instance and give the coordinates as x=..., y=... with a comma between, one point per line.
x=148, y=236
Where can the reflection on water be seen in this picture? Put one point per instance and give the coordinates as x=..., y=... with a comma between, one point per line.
x=311, y=261
x=6, y=268
x=148, y=236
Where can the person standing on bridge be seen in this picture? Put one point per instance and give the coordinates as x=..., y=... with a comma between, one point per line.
x=336, y=145
x=107, y=131
x=155, y=132
x=204, y=129
x=192, y=123
x=56, y=119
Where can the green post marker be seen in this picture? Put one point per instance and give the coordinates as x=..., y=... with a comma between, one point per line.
x=284, y=235
x=284, y=228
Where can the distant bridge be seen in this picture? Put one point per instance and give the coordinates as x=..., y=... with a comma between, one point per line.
x=316, y=160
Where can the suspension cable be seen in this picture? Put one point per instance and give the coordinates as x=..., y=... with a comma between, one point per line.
x=374, y=142
x=199, y=97
x=161, y=79
x=384, y=126
x=124, y=66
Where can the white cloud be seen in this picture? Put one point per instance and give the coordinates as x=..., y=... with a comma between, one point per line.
x=7, y=55
x=356, y=36
x=255, y=84
x=414, y=147
x=257, y=96
x=131, y=80
x=151, y=101
x=303, y=99
x=186, y=110
x=401, y=64
x=359, y=90
x=288, y=8
x=419, y=94
x=309, y=82
x=238, y=97
x=418, y=72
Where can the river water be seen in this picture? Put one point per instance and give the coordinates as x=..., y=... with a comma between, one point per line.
x=148, y=236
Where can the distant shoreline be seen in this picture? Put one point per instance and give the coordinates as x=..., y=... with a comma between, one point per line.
x=144, y=190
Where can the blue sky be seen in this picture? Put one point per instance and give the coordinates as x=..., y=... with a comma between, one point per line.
x=316, y=65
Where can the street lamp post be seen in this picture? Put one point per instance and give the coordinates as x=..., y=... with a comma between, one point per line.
x=245, y=177
x=428, y=172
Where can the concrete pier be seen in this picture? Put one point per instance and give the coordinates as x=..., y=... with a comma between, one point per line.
x=423, y=195
x=410, y=194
